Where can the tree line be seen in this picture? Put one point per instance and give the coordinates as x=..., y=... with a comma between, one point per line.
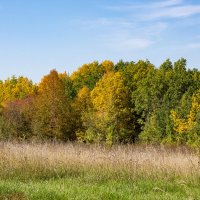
x=104, y=102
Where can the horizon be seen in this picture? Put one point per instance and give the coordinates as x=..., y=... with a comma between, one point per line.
x=39, y=36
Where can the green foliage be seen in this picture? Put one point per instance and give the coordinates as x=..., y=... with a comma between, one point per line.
x=187, y=129
x=68, y=85
x=16, y=88
x=105, y=102
x=110, y=120
x=162, y=90
x=87, y=75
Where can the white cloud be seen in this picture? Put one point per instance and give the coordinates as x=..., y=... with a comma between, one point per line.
x=141, y=26
x=154, y=29
x=105, y=23
x=124, y=42
x=166, y=3
x=122, y=34
x=159, y=9
x=131, y=43
x=154, y=5
x=174, y=12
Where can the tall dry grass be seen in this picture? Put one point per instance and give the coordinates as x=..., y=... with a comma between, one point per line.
x=26, y=160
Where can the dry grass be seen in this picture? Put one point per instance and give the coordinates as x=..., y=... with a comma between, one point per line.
x=47, y=160
x=78, y=171
x=14, y=196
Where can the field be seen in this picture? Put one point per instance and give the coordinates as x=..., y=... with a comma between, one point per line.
x=77, y=171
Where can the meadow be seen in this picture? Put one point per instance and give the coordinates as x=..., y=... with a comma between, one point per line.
x=81, y=171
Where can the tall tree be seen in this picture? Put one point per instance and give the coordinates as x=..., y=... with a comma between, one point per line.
x=111, y=119
x=54, y=116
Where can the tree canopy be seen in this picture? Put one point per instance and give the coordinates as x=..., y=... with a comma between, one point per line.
x=106, y=103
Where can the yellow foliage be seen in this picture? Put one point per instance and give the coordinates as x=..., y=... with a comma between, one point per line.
x=63, y=75
x=183, y=125
x=108, y=91
x=108, y=65
x=16, y=88
x=180, y=125
x=84, y=70
x=83, y=101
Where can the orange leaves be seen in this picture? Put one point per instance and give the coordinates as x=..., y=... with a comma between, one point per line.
x=53, y=115
x=50, y=82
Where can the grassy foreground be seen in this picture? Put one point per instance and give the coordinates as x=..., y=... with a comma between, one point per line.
x=74, y=171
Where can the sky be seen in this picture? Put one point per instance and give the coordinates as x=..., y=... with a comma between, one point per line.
x=39, y=35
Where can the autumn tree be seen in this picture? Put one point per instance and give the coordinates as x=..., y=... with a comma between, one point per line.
x=110, y=120
x=17, y=119
x=82, y=105
x=68, y=85
x=107, y=66
x=16, y=95
x=53, y=118
x=169, y=87
x=106, y=102
x=187, y=129
x=16, y=88
x=89, y=74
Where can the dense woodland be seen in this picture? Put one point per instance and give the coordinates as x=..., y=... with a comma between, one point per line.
x=108, y=103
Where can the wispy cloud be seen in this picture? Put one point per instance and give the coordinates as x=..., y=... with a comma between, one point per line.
x=153, y=29
x=174, y=12
x=125, y=42
x=130, y=43
x=164, y=4
x=159, y=9
x=124, y=34
x=140, y=25
x=154, y=5
x=106, y=22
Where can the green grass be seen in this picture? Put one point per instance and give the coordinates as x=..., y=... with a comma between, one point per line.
x=84, y=188
x=59, y=172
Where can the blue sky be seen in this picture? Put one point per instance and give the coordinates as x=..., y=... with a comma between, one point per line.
x=39, y=35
